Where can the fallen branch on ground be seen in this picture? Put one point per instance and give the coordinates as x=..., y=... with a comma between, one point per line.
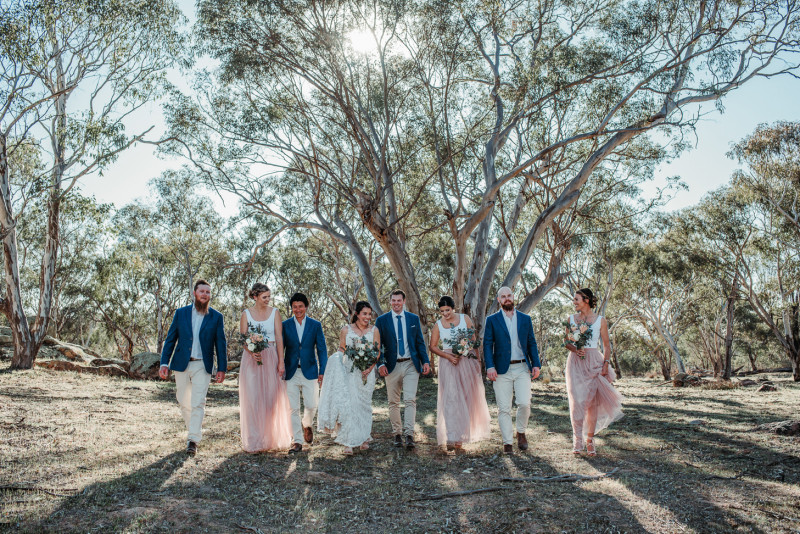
x=569, y=477
x=762, y=371
x=438, y=496
x=55, y=492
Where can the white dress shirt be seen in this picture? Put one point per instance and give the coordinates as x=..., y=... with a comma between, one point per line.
x=197, y=322
x=301, y=327
x=511, y=324
x=402, y=316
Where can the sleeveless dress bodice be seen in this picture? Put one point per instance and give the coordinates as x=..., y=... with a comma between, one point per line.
x=592, y=344
x=268, y=325
x=352, y=337
x=445, y=334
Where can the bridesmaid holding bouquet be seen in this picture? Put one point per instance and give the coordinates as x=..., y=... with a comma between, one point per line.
x=462, y=415
x=263, y=401
x=594, y=403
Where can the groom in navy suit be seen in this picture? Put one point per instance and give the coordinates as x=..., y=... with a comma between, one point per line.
x=403, y=357
x=304, y=348
x=195, y=333
x=512, y=361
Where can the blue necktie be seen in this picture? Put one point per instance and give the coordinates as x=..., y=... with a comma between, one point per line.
x=401, y=345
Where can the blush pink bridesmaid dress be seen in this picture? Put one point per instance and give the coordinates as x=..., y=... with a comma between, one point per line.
x=264, y=411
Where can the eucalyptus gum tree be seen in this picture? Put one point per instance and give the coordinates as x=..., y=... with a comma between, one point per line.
x=394, y=121
x=717, y=237
x=70, y=73
x=771, y=182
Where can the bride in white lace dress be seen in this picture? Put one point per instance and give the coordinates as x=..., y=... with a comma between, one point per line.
x=345, y=402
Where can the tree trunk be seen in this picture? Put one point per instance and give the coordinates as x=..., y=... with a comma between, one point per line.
x=159, y=317
x=794, y=340
x=25, y=345
x=729, y=332
x=614, y=359
x=364, y=267
x=663, y=362
x=751, y=356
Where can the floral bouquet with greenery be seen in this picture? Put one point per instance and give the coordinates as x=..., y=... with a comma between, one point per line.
x=463, y=341
x=579, y=335
x=255, y=339
x=362, y=353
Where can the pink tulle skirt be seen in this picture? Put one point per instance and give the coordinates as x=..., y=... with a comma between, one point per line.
x=462, y=415
x=591, y=395
x=263, y=404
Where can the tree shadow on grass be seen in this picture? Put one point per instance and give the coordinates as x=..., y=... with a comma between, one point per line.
x=683, y=488
x=377, y=490
x=117, y=504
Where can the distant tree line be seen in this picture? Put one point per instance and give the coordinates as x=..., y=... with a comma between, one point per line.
x=474, y=145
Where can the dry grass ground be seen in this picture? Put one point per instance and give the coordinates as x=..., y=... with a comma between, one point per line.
x=107, y=455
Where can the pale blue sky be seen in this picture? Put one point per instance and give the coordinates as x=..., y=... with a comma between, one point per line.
x=703, y=168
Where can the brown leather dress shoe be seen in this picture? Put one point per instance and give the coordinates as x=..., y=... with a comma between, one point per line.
x=295, y=448
x=308, y=434
x=191, y=448
x=508, y=449
x=522, y=441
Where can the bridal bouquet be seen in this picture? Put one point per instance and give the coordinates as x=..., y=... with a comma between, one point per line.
x=462, y=342
x=579, y=335
x=362, y=353
x=255, y=339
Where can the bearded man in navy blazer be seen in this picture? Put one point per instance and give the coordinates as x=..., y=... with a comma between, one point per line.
x=403, y=357
x=512, y=361
x=304, y=348
x=195, y=333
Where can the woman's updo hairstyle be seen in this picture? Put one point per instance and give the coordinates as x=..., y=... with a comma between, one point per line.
x=360, y=305
x=447, y=301
x=587, y=294
x=257, y=289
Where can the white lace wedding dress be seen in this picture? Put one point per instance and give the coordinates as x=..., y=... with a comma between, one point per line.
x=345, y=402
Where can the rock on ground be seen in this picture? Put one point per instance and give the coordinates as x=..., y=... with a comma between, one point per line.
x=783, y=428
x=64, y=365
x=145, y=365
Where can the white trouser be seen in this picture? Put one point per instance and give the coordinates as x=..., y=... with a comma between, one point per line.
x=404, y=377
x=516, y=382
x=309, y=389
x=192, y=387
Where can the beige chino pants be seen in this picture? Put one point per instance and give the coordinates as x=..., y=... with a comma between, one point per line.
x=516, y=382
x=403, y=381
x=192, y=387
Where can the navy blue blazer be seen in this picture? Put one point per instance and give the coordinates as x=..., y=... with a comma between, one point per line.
x=416, y=343
x=304, y=352
x=178, y=344
x=497, y=342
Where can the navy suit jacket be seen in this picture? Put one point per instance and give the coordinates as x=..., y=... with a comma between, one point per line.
x=304, y=352
x=178, y=344
x=497, y=342
x=416, y=343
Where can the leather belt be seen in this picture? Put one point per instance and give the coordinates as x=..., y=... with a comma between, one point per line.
x=399, y=360
x=516, y=361
x=195, y=359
